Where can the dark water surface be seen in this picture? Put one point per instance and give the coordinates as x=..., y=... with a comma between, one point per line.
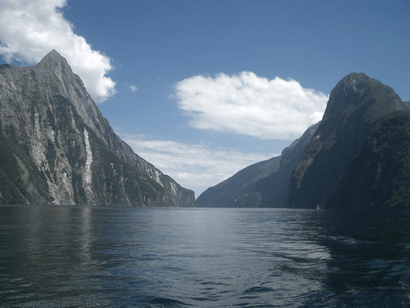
x=144, y=257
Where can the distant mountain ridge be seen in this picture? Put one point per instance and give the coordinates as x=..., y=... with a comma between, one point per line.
x=229, y=192
x=264, y=184
x=63, y=151
x=344, y=161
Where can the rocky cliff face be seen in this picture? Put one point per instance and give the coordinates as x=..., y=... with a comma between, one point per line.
x=355, y=105
x=63, y=151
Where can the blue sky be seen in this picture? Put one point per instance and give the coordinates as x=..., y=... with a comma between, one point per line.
x=202, y=89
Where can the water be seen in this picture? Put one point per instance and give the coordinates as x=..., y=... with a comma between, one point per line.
x=144, y=257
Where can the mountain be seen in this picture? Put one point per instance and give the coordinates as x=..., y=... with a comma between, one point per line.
x=237, y=187
x=379, y=175
x=355, y=107
x=274, y=189
x=57, y=148
x=264, y=184
x=358, y=156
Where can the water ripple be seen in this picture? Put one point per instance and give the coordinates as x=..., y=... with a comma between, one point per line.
x=62, y=256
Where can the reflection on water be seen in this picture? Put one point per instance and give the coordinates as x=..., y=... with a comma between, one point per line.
x=141, y=257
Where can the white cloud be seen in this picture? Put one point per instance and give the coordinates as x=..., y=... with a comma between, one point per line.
x=31, y=29
x=133, y=88
x=194, y=166
x=250, y=105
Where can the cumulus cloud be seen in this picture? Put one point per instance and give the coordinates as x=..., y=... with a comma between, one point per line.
x=250, y=105
x=194, y=166
x=31, y=29
x=133, y=88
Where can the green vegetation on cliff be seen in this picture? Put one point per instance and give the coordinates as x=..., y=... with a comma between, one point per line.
x=380, y=174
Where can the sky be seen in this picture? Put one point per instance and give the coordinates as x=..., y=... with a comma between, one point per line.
x=202, y=89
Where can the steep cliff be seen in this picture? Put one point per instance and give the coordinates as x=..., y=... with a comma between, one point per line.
x=63, y=151
x=379, y=175
x=355, y=105
x=274, y=189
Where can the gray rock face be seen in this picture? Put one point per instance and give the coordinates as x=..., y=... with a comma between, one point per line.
x=63, y=151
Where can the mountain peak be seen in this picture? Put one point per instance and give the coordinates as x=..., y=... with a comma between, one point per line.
x=357, y=91
x=357, y=84
x=63, y=151
x=53, y=54
x=354, y=78
x=54, y=61
x=354, y=106
x=352, y=83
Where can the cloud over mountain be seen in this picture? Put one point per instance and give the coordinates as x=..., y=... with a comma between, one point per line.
x=250, y=105
x=31, y=29
x=196, y=166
